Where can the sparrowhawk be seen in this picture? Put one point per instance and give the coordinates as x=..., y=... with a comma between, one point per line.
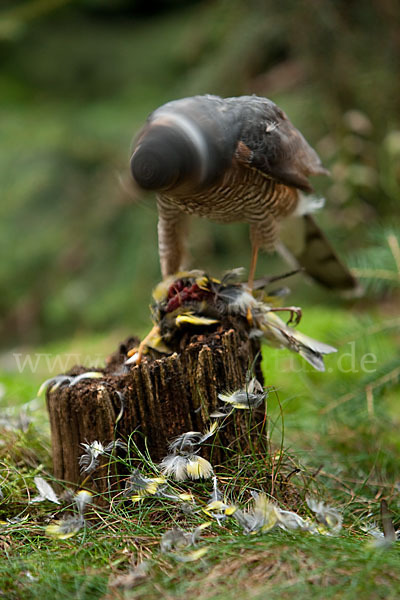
x=234, y=159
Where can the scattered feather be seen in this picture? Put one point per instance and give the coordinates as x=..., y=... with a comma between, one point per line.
x=191, y=439
x=173, y=539
x=122, y=407
x=250, y=397
x=17, y=520
x=263, y=516
x=373, y=530
x=213, y=428
x=82, y=499
x=329, y=517
x=88, y=375
x=140, y=486
x=186, y=442
x=199, y=468
x=56, y=381
x=174, y=466
x=185, y=497
x=46, y=492
x=216, y=493
x=219, y=510
x=216, y=507
x=66, y=528
x=289, y=521
x=177, y=539
x=222, y=412
x=188, y=466
x=192, y=556
x=89, y=460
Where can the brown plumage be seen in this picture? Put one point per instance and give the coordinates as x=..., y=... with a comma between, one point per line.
x=233, y=159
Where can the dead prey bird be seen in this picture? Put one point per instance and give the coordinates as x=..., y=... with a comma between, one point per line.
x=194, y=302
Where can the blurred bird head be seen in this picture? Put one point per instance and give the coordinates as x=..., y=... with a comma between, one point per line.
x=182, y=144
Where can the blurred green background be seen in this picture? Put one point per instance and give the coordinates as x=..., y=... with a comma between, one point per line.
x=79, y=254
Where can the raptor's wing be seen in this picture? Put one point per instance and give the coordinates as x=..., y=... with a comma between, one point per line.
x=270, y=143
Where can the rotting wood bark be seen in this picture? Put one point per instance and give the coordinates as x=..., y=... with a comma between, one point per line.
x=162, y=398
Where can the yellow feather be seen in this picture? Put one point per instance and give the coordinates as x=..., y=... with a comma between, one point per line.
x=192, y=319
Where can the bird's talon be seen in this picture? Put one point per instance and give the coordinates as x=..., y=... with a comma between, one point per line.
x=295, y=316
x=133, y=360
x=135, y=355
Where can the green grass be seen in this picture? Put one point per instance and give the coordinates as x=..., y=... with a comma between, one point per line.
x=281, y=565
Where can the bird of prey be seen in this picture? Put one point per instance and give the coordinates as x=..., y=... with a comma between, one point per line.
x=235, y=159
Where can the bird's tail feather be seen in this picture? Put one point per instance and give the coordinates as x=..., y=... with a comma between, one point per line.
x=304, y=244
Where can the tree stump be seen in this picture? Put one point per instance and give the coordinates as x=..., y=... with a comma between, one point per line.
x=162, y=398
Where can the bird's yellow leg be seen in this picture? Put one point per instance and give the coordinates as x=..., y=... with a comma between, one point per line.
x=140, y=350
x=253, y=264
x=250, y=283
